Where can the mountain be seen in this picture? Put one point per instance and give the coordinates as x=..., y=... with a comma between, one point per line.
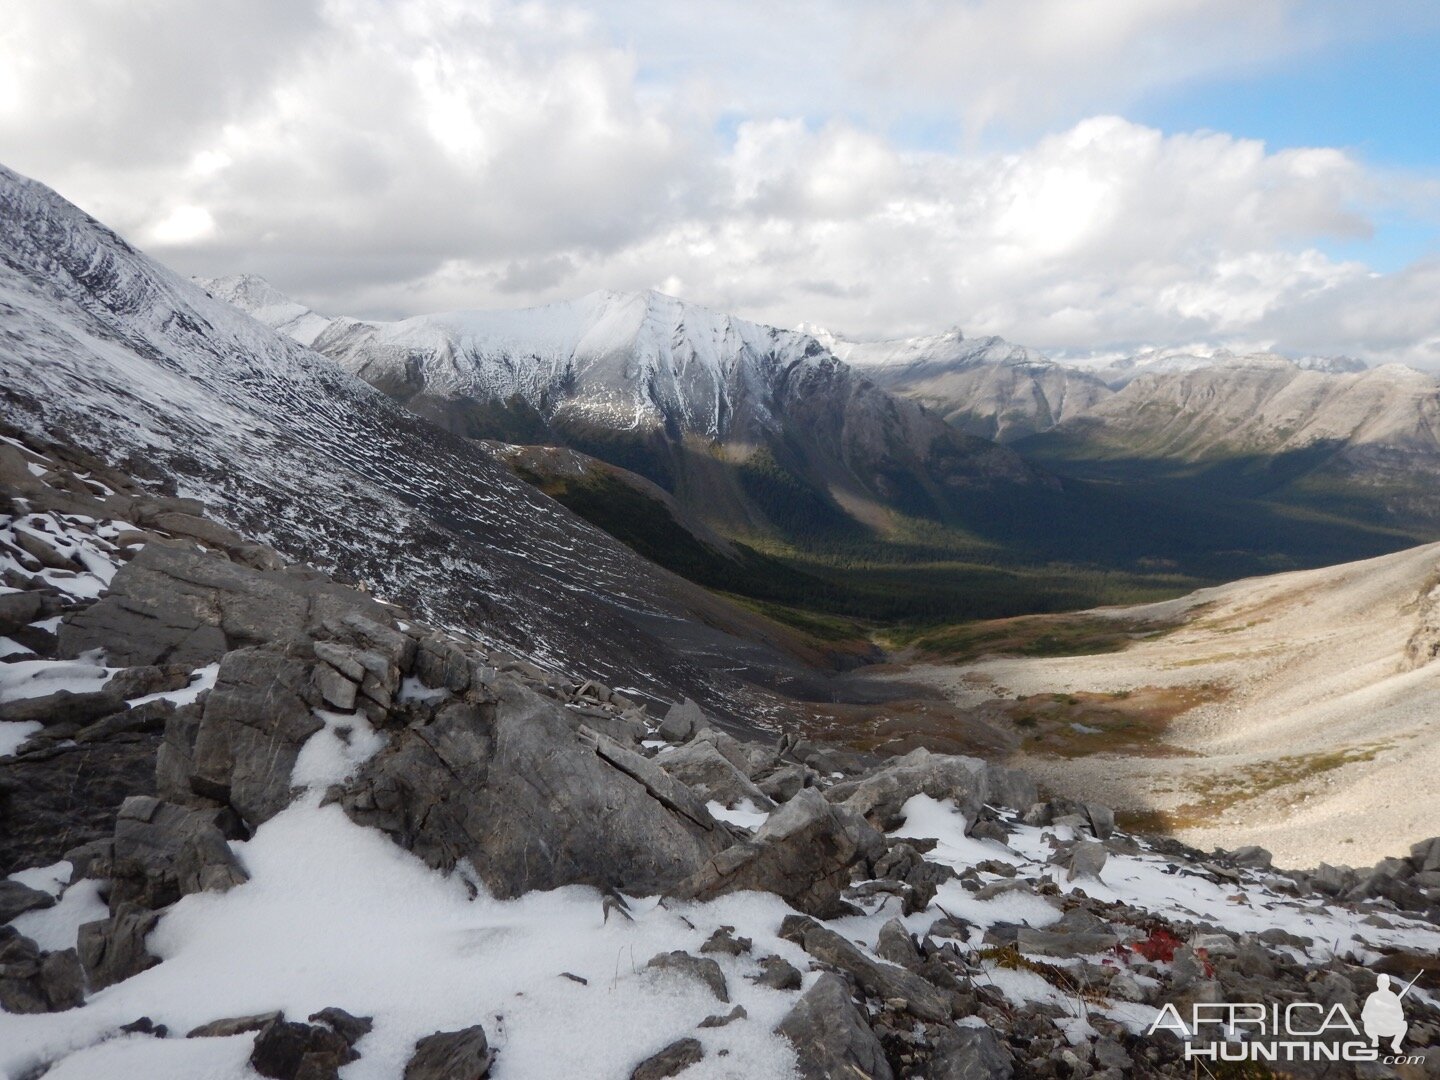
x=1116, y=373
x=129, y=361
x=258, y=824
x=986, y=387
x=1364, y=444
x=760, y=431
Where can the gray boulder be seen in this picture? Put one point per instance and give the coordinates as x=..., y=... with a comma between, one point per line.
x=700, y=765
x=699, y=969
x=162, y=852
x=1252, y=857
x=971, y=1053
x=782, y=784
x=880, y=795
x=289, y=1050
x=233, y=1025
x=1087, y=860
x=804, y=853
x=111, y=950
x=778, y=974
x=32, y=981
x=251, y=730
x=63, y=707
x=880, y=980
x=831, y=1038
x=175, y=604
x=682, y=721
x=514, y=786
x=451, y=1055
x=16, y=899
x=1426, y=854
x=673, y=1060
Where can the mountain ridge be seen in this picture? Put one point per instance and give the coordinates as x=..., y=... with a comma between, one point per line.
x=759, y=427
x=135, y=363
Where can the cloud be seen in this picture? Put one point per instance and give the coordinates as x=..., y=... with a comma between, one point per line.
x=382, y=158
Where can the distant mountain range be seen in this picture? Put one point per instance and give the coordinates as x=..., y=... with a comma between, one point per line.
x=1328, y=434
x=691, y=424
x=762, y=430
x=984, y=386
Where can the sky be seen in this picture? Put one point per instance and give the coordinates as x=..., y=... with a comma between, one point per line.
x=1080, y=176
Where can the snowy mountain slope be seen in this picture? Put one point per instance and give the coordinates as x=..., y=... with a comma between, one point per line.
x=679, y=393
x=1117, y=373
x=988, y=387
x=110, y=350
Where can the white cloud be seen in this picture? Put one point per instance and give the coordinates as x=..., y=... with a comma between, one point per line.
x=384, y=158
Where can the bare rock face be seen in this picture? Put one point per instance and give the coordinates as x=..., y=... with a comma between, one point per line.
x=162, y=852
x=971, y=1053
x=831, y=1036
x=701, y=766
x=58, y=797
x=251, y=730
x=451, y=1055
x=510, y=784
x=174, y=604
x=804, y=852
x=113, y=949
x=32, y=981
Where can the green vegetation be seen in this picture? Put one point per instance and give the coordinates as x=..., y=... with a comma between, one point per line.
x=1055, y=635
x=1112, y=532
x=864, y=580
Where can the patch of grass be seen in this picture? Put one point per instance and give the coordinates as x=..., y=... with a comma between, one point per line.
x=1037, y=635
x=1216, y=794
x=1012, y=959
x=1084, y=722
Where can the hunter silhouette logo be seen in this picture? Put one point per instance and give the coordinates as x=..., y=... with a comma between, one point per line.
x=1297, y=1031
x=1383, y=1016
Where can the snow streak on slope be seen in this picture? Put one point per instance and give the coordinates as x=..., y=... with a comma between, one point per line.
x=112, y=351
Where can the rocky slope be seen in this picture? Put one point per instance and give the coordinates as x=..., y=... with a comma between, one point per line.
x=755, y=428
x=348, y=843
x=1360, y=443
x=1296, y=711
x=131, y=362
x=987, y=387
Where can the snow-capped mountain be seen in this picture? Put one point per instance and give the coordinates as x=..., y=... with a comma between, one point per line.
x=136, y=364
x=988, y=387
x=707, y=404
x=1116, y=373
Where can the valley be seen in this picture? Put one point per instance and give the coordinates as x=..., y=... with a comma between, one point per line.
x=1296, y=712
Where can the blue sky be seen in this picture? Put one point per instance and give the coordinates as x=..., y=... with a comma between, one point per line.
x=1378, y=98
x=1076, y=175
